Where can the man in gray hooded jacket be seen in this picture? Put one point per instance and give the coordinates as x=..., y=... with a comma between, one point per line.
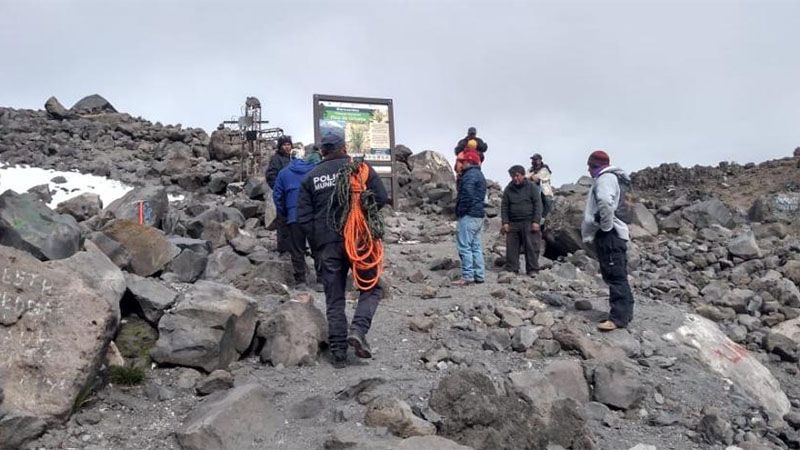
x=610, y=236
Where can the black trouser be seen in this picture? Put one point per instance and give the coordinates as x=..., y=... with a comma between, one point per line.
x=519, y=237
x=297, y=241
x=611, y=253
x=334, y=266
x=284, y=237
x=547, y=205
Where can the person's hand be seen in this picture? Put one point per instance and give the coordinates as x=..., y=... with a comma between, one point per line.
x=535, y=227
x=505, y=228
x=534, y=178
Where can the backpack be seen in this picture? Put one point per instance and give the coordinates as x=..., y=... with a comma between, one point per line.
x=627, y=199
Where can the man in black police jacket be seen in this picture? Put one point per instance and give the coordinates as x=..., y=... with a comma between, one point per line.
x=316, y=214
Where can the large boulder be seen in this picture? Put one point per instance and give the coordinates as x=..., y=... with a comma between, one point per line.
x=782, y=207
x=221, y=145
x=709, y=212
x=55, y=110
x=562, y=378
x=29, y=225
x=790, y=330
x=734, y=362
x=150, y=296
x=617, y=385
x=744, y=246
x=54, y=333
x=562, y=234
x=430, y=166
x=256, y=189
x=216, y=215
x=189, y=265
x=292, y=334
x=111, y=248
x=226, y=265
x=397, y=417
x=240, y=418
x=791, y=270
x=476, y=414
x=210, y=326
x=92, y=104
x=82, y=206
x=149, y=249
x=200, y=246
x=153, y=200
x=99, y=273
x=645, y=219
x=782, y=289
x=178, y=159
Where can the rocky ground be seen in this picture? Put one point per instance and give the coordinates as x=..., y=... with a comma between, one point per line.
x=234, y=357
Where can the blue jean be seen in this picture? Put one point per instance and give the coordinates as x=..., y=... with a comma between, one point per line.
x=470, y=250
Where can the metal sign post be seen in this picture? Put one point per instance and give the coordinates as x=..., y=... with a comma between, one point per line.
x=252, y=137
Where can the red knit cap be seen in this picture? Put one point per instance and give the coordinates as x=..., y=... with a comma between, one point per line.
x=600, y=157
x=471, y=157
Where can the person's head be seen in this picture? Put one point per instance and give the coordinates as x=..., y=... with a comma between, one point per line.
x=314, y=156
x=517, y=174
x=536, y=160
x=285, y=145
x=472, y=145
x=332, y=142
x=598, y=160
x=472, y=132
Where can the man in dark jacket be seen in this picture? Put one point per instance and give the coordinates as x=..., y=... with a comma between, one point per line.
x=470, y=211
x=521, y=212
x=278, y=161
x=315, y=212
x=472, y=134
x=285, y=195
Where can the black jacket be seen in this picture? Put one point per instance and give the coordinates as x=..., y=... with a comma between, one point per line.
x=521, y=203
x=316, y=189
x=276, y=164
x=462, y=144
x=471, y=193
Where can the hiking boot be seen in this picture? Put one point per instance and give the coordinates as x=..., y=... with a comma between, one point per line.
x=339, y=360
x=461, y=282
x=359, y=343
x=479, y=281
x=607, y=325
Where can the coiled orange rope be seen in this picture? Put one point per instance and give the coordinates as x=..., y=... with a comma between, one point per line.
x=364, y=250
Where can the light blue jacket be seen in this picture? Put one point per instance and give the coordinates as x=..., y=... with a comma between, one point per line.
x=602, y=200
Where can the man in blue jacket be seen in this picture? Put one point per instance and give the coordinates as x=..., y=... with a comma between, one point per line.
x=278, y=162
x=470, y=212
x=285, y=196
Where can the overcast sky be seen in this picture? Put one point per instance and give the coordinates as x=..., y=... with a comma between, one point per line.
x=648, y=81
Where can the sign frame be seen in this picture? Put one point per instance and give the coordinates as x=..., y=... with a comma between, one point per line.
x=381, y=167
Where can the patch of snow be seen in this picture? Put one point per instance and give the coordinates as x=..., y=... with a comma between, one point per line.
x=22, y=178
